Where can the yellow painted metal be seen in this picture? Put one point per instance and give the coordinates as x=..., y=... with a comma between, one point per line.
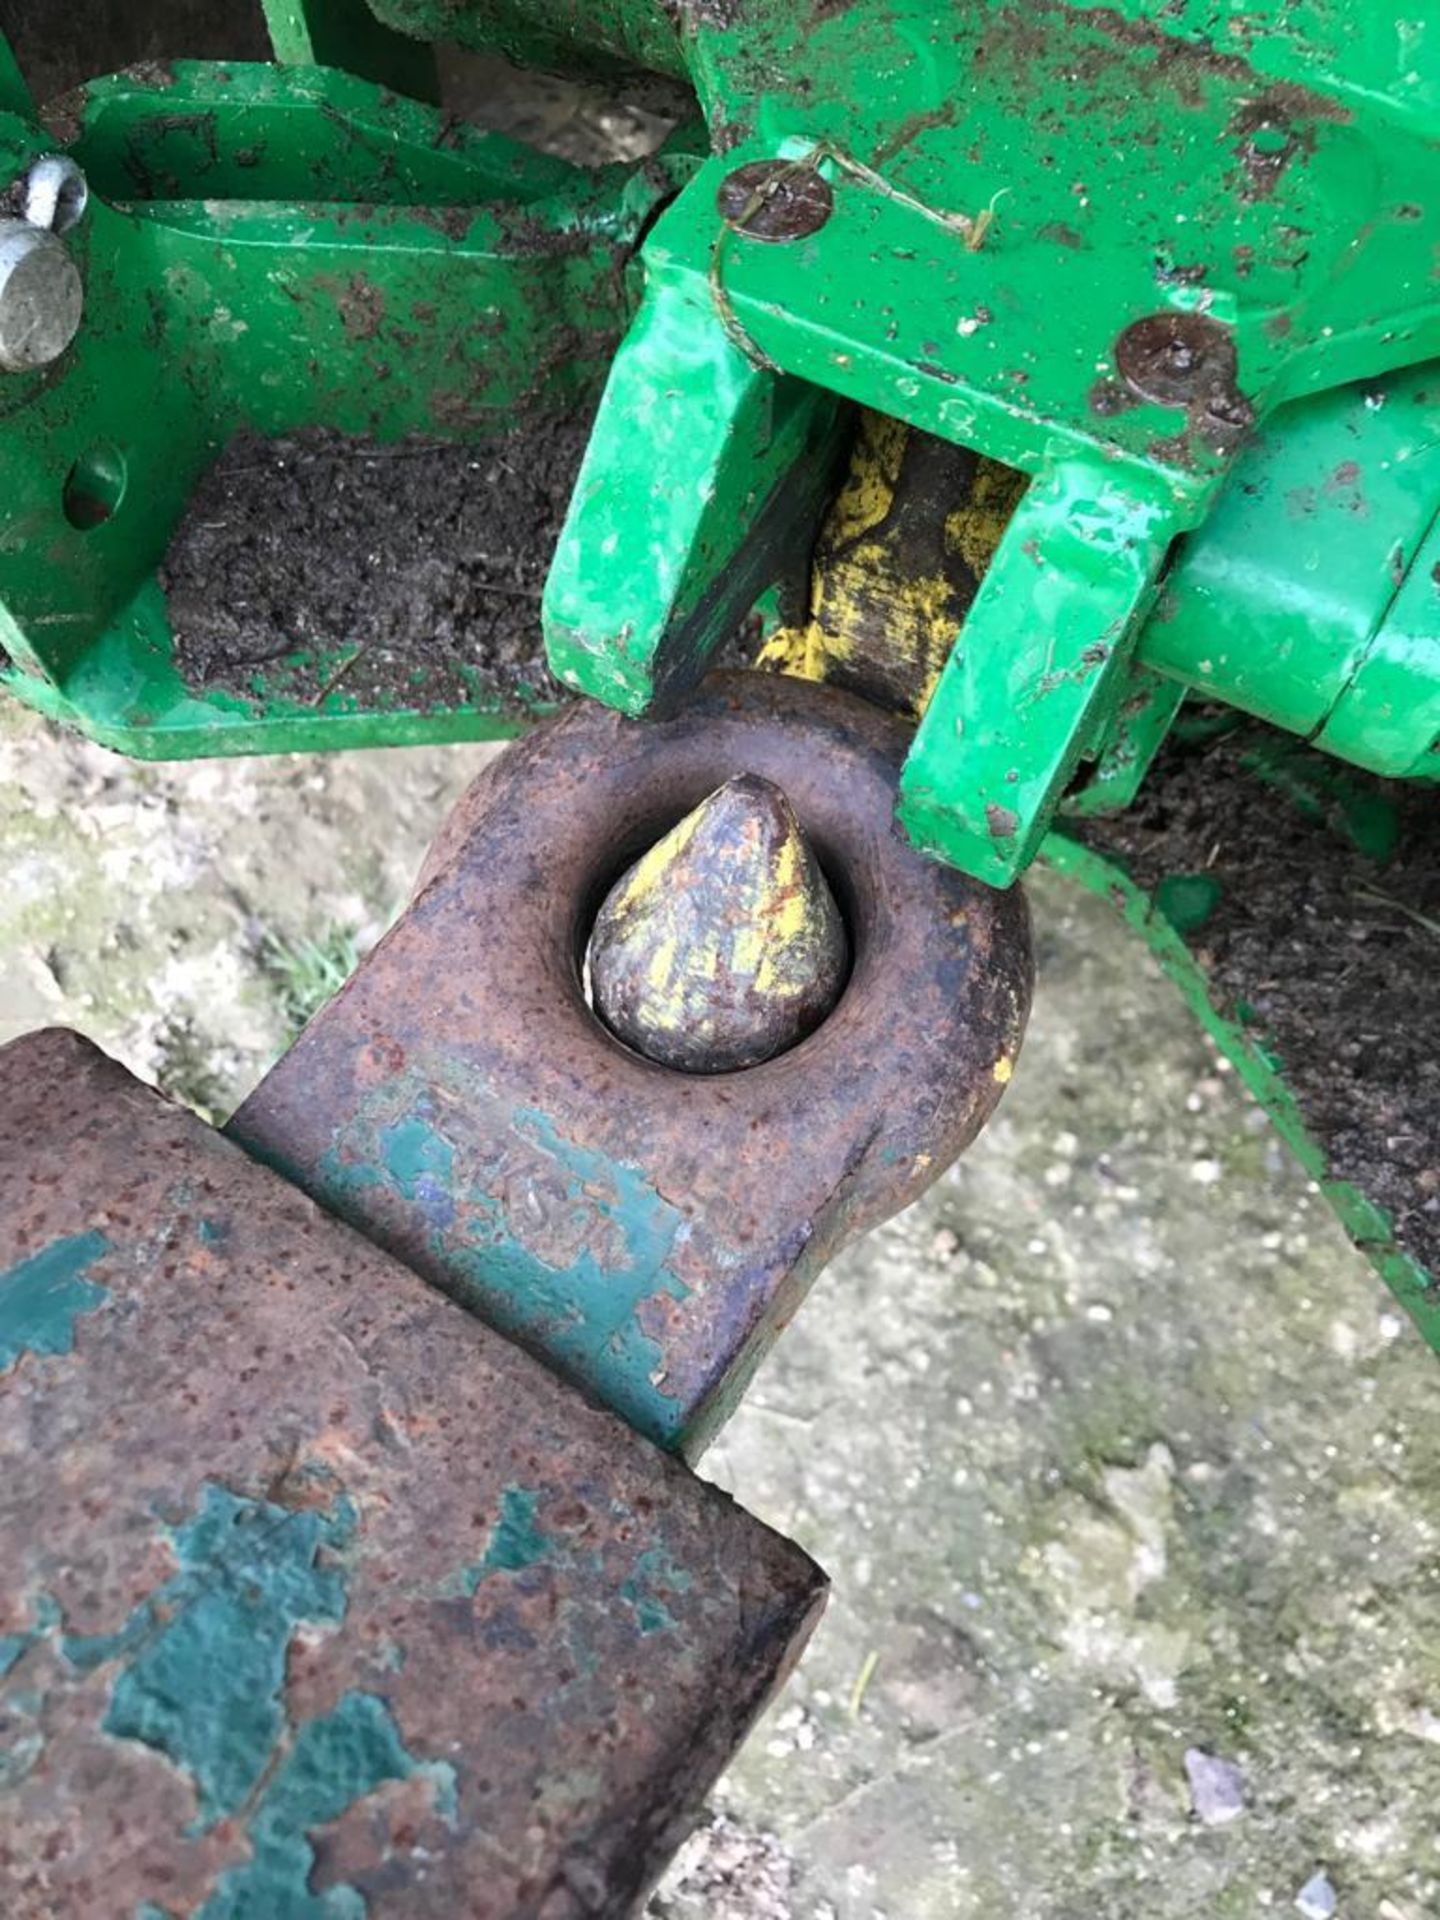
x=904, y=545
x=723, y=945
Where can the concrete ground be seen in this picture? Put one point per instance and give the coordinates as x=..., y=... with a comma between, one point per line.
x=1123, y=1465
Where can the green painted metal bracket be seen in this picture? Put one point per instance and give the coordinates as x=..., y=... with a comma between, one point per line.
x=1251, y=238
x=1132, y=242
x=718, y=480
x=589, y=36
x=1143, y=715
x=1038, y=669
x=346, y=35
x=1387, y=717
x=1310, y=598
x=15, y=95
x=268, y=245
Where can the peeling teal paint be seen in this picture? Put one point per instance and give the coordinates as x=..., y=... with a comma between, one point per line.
x=42, y=1297
x=14, y=1645
x=205, y=1686
x=414, y=1151
x=333, y=1762
x=90, y=1650
x=206, y=1650
x=655, y=1573
x=585, y=1314
x=19, y=1755
x=515, y=1542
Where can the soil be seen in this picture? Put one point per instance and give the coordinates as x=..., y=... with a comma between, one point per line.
x=62, y=47
x=1332, y=949
x=407, y=574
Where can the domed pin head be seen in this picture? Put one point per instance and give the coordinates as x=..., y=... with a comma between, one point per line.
x=722, y=946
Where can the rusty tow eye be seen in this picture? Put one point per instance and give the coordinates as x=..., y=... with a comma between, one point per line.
x=644, y=1227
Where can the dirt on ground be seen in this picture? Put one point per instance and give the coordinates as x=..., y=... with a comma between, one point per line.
x=1321, y=937
x=408, y=574
x=59, y=47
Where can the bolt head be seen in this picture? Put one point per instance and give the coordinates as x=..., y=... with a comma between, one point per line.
x=56, y=194
x=775, y=200
x=1174, y=358
x=41, y=297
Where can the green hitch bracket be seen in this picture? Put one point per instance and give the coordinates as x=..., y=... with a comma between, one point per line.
x=1111, y=316
x=1183, y=333
x=1038, y=668
x=345, y=34
x=273, y=248
x=1311, y=597
x=715, y=479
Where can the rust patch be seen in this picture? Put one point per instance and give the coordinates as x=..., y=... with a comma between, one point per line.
x=775, y=200
x=1187, y=359
x=1268, y=140
x=289, y=1505
x=733, y=1189
x=361, y=304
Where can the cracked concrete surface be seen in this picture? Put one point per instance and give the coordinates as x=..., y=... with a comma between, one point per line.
x=1123, y=1464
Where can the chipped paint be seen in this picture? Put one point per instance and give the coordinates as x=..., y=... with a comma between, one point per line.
x=204, y=1671
x=656, y=1578
x=646, y=1232
x=551, y=1242
x=204, y=1684
x=260, y=1679
x=515, y=1543
x=14, y=1646
x=333, y=1763
x=42, y=1297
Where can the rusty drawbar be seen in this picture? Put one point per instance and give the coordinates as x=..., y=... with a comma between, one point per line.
x=648, y=1231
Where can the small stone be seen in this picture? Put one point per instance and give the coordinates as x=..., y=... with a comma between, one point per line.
x=1317, y=1898
x=1217, y=1788
x=945, y=1244
x=722, y=946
